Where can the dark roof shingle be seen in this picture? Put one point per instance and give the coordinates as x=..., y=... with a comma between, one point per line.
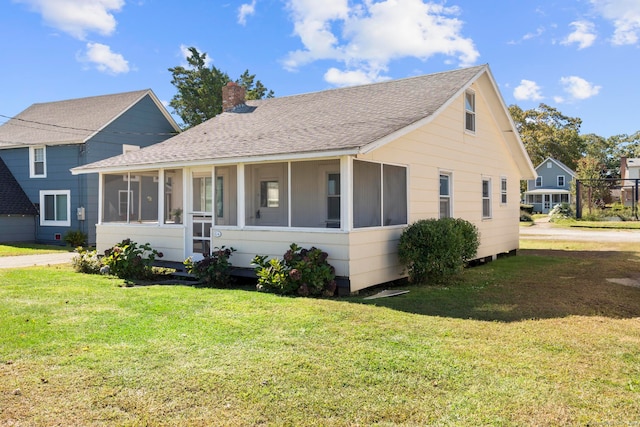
x=13, y=200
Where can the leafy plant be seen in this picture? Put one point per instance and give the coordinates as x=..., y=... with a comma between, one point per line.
x=75, y=238
x=561, y=211
x=435, y=249
x=86, y=261
x=302, y=271
x=214, y=269
x=128, y=260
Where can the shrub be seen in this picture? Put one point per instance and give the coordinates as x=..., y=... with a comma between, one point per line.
x=525, y=216
x=214, y=269
x=303, y=272
x=526, y=208
x=128, y=260
x=561, y=211
x=86, y=261
x=75, y=238
x=435, y=249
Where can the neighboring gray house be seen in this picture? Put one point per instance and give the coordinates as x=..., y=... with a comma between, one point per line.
x=41, y=144
x=17, y=213
x=552, y=186
x=630, y=174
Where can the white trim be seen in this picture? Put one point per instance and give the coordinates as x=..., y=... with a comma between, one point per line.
x=32, y=158
x=471, y=92
x=489, y=197
x=55, y=223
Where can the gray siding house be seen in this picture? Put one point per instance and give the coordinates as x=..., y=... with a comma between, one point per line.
x=552, y=186
x=41, y=144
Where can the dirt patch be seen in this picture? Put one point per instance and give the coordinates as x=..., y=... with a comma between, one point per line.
x=634, y=283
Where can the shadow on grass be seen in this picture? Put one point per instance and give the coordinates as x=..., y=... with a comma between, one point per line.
x=536, y=284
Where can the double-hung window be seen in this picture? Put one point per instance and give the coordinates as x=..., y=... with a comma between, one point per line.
x=470, y=111
x=560, y=180
x=503, y=190
x=445, y=195
x=55, y=208
x=37, y=162
x=486, y=198
x=539, y=181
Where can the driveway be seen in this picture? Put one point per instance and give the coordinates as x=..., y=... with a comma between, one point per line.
x=31, y=260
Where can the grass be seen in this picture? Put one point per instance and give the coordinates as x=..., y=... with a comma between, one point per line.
x=538, y=339
x=15, y=249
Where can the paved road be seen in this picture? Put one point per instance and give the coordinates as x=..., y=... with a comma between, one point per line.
x=31, y=260
x=546, y=231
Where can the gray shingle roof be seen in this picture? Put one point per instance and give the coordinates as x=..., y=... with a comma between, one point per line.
x=13, y=200
x=328, y=121
x=64, y=122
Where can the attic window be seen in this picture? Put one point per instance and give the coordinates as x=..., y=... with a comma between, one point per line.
x=470, y=111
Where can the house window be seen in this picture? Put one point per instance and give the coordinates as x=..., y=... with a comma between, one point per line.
x=560, y=180
x=486, y=198
x=379, y=194
x=333, y=197
x=539, y=181
x=128, y=197
x=470, y=111
x=503, y=190
x=55, y=208
x=394, y=193
x=269, y=194
x=173, y=212
x=445, y=195
x=549, y=165
x=37, y=162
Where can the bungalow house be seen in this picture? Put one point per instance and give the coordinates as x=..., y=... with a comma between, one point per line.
x=17, y=213
x=551, y=186
x=41, y=144
x=630, y=174
x=344, y=170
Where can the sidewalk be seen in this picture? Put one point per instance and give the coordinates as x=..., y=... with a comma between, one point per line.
x=31, y=260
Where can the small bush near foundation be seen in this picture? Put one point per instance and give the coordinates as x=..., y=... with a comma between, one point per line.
x=303, y=272
x=86, y=261
x=214, y=269
x=433, y=250
x=131, y=261
x=75, y=238
x=525, y=216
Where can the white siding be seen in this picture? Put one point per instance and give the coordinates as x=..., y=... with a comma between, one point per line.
x=168, y=240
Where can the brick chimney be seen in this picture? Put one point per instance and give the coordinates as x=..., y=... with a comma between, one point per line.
x=232, y=96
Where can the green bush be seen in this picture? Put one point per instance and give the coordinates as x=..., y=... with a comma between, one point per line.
x=75, y=238
x=303, y=272
x=526, y=208
x=86, y=261
x=561, y=211
x=131, y=261
x=433, y=250
x=214, y=269
x=525, y=216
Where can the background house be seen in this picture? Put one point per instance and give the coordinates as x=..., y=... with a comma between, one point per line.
x=344, y=170
x=41, y=144
x=17, y=213
x=551, y=186
x=630, y=174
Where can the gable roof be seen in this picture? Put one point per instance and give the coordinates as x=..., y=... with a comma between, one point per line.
x=73, y=121
x=341, y=121
x=13, y=200
x=560, y=165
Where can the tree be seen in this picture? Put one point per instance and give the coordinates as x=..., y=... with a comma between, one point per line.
x=546, y=132
x=595, y=189
x=199, y=95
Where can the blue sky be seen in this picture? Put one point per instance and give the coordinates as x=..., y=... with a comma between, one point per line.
x=580, y=56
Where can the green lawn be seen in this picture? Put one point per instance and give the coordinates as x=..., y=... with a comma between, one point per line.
x=15, y=249
x=537, y=339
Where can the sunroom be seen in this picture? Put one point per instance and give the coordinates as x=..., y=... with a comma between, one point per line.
x=261, y=208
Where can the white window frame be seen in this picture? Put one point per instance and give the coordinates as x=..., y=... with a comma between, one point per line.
x=449, y=175
x=55, y=223
x=561, y=177
x=503, y=190
x=486, y=197
x=32, y=160
x=470, y=113
x=538, y=182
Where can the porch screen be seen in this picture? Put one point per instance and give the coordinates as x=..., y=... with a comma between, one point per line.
x=367, y=194
x=395, y=194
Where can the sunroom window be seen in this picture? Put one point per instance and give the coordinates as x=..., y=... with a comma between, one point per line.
x=130, y=197
x=374, y=183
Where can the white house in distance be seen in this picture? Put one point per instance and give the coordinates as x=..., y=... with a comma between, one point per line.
x=344, y=170
x=630, y=174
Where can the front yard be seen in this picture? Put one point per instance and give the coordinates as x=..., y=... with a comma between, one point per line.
x=538, y=339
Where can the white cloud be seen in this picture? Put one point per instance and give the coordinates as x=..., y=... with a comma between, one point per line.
x=246, y=9
x=104, y=59
x=367, y=35
x=78, y=17
x=625, y=16
x=579, y=88
x=527, y=91
x=350, y=78
x=583, y=34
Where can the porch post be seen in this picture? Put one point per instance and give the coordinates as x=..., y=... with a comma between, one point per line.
x=346, y=193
